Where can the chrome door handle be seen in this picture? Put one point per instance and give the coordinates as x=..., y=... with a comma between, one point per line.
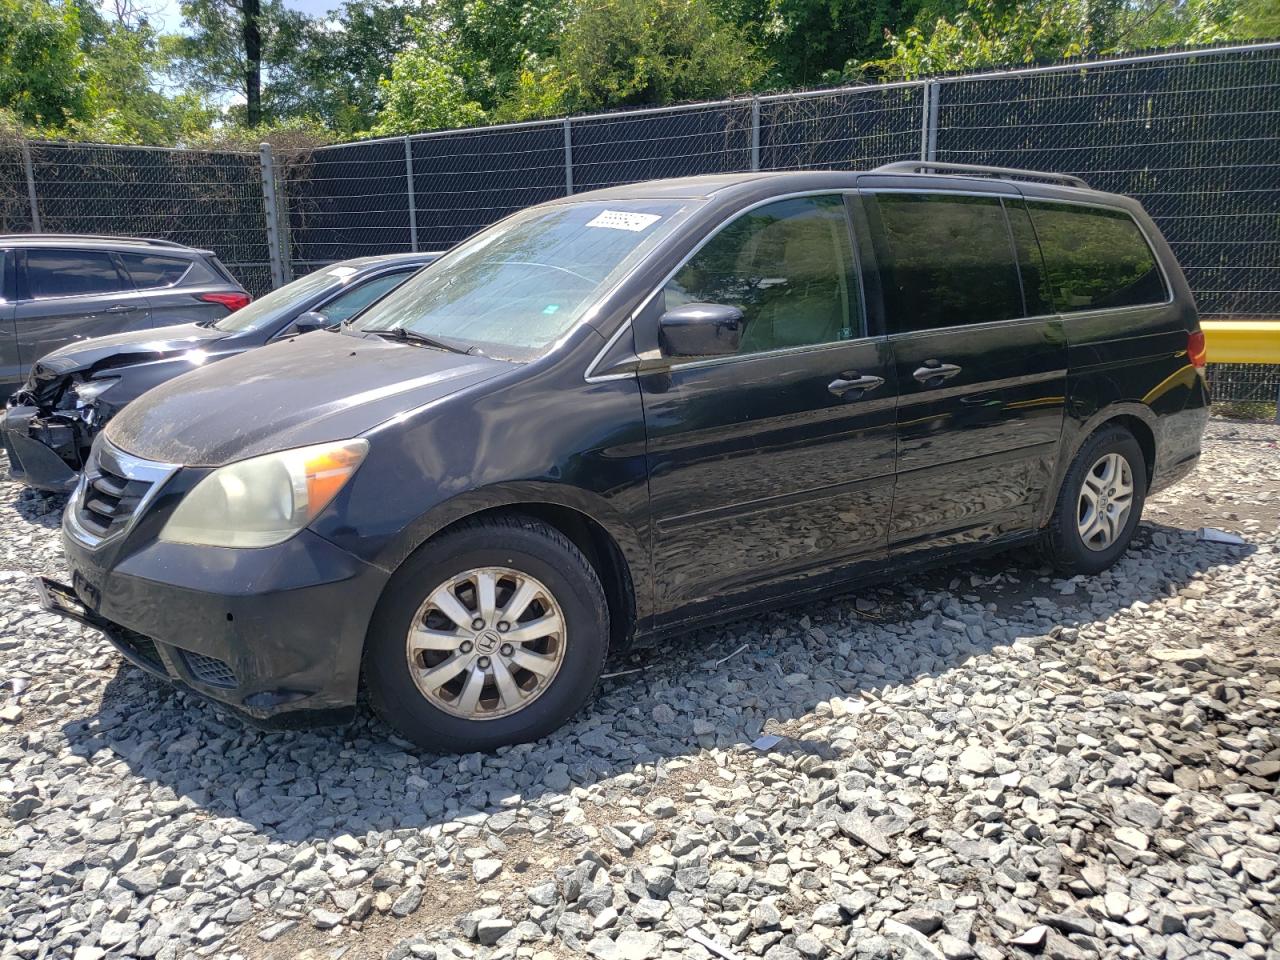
x=851, y=382
x=121, y=308
x=934, y=374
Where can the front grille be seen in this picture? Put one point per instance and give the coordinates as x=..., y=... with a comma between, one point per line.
x=210, y=670
x=109, y=501
x=114, y=488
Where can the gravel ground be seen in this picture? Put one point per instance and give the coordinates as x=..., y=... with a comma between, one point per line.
x=983, y=762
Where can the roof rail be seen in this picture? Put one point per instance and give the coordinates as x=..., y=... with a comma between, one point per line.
x=978, y=170
x=151, y=241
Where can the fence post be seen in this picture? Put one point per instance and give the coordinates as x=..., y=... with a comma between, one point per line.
x=568, y=159
x=31, y=185
x=413, y=197
x=272, y=212
x=755, y=133
x=931, y=127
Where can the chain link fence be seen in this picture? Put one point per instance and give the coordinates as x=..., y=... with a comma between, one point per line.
x=1194, y=135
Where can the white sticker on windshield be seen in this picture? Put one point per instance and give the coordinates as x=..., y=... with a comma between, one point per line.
x=342, y=272
x=622, y=220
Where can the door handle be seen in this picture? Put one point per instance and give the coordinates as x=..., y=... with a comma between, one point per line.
x=121, y=308
x=934, y=374
x=850, y=382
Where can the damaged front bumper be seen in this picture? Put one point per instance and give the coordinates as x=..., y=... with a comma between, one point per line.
x=41, y=450
x=48, y=426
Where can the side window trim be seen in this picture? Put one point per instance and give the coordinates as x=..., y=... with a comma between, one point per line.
x=1170, y=296
x=1017, y=260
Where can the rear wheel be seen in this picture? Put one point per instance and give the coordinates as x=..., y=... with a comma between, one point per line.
x=1099, y=505
x=495, y=633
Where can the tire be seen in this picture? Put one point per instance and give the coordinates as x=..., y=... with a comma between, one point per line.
x=523, y=558
x=1063, y=544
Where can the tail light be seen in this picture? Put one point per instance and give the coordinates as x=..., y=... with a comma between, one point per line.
x=1196, y=351
x=232, y=301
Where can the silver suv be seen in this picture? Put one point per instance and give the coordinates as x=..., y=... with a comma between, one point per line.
x=59, y=288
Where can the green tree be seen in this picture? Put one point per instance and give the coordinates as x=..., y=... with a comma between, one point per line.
x=125, y=105
x=986, y=33
x=228, y=46
x=811, y=41
x=616, y=53
x=329, y=69
x=426, y=90
x=44, y=74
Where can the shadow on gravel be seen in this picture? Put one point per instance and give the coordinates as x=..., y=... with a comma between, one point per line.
x=696, y=692
x=41, y=508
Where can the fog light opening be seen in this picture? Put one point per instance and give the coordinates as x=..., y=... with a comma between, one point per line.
x=273, y=698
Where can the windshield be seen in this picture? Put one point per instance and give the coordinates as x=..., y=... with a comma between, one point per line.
x=522, y=284
x=280, y=303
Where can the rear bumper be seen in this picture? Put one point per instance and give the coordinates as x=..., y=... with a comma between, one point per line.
x=275, y=634
x=30, y=461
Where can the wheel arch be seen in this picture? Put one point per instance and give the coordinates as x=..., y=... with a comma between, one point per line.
x=1137, y=418
x=614, y=549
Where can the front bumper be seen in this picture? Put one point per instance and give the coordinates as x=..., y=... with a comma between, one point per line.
x=30, y=461
x=276, y=634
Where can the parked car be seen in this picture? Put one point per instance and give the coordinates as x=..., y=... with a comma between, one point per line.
x=62, y=288
x=627, y=413
x=49, y=424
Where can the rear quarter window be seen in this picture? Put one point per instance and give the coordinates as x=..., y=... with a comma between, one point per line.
x=149, y=270
x=1095, y=258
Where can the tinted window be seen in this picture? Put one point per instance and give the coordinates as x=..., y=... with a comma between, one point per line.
x=350, y=302
x=945, y=261
x=1095, y=258
x=787, y=266
x=71, y=273
x=148, y=270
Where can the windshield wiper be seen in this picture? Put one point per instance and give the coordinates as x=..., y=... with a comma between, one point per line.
x=404, y=335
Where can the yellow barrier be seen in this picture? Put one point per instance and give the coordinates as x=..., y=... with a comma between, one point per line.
x=1242, y=341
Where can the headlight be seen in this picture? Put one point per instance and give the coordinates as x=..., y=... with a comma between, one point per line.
x=92, y=389
x=265, y=500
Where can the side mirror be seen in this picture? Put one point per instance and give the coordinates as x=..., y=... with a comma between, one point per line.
x=700, y=330
x=311, y=320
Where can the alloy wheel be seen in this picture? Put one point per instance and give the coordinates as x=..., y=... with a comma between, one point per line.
x=486, y=643
x=1106, y=496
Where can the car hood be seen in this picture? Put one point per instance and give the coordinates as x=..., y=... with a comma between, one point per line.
x=124, y=349
x=304, y=390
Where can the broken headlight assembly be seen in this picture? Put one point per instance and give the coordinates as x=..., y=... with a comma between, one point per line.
x=264, y=500
x=88, y=391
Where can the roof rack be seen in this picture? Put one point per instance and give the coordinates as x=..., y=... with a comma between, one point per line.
x=151, y=241
x=978, y=170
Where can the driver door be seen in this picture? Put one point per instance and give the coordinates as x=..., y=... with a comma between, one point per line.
x=764, y=467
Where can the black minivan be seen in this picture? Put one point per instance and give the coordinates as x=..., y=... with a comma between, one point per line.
x=626, y=413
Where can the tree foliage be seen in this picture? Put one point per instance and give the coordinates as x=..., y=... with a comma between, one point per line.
x=44, y=77
x=84, y=70
x=986, y=33
x=425, y=91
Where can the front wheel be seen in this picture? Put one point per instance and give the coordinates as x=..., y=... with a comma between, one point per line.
x=1099, y=505
x=494, y=633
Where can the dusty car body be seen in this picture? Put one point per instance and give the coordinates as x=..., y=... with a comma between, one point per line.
x=49, y=424
x=625, y=414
